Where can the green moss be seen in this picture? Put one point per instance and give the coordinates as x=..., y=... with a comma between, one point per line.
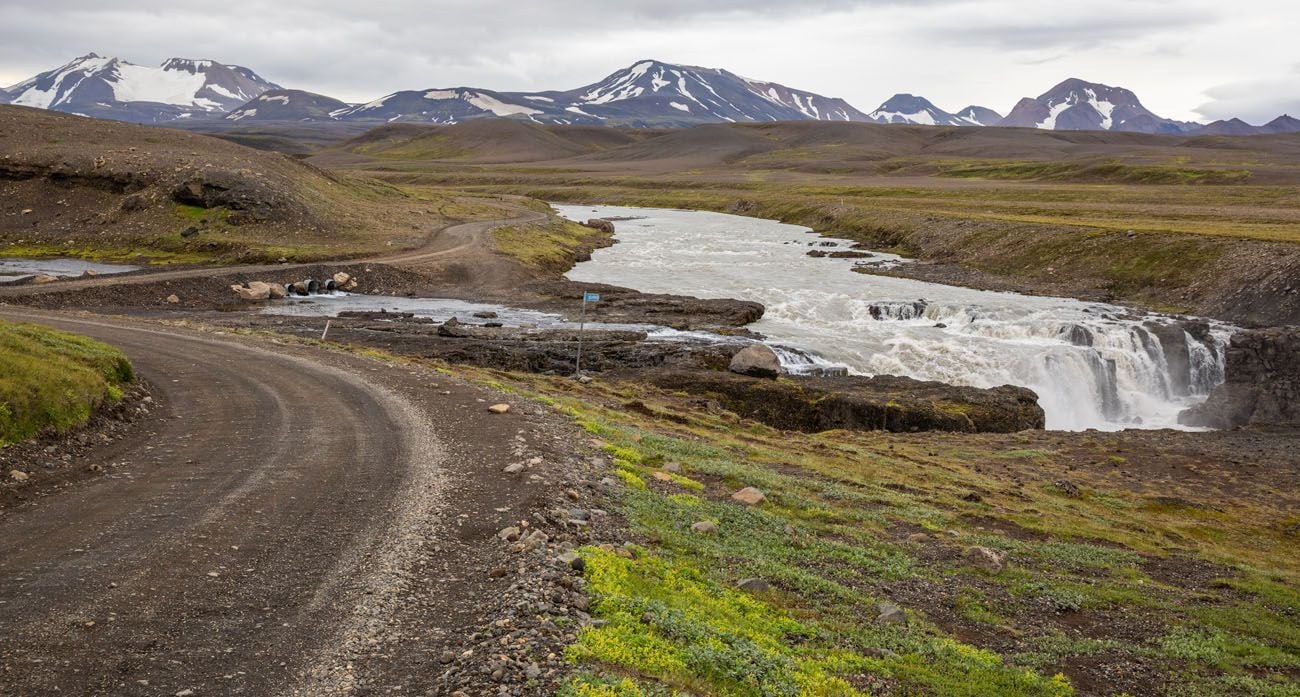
x=54, y=380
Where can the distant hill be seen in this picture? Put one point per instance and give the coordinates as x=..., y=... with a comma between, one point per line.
x=1237, y=127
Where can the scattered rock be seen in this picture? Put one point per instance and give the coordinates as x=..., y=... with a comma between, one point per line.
x=918, y=537
x=515, y=468
x=674, y=467
x=572, y=560
x=89, y=273
x=189, y=231
x=757, y=361
x=509, y=534
x=1069, y=488
x=705, y=527
x=173, y=299
x=499, y=408
x=989, y=560
x=485, y=314
x=754, y=585
x=18, y=475
x=44, y=278
x=749, y=496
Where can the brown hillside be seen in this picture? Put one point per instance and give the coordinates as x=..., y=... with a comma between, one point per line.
x=72, y=185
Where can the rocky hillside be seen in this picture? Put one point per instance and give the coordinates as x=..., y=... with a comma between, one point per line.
x=112, y=88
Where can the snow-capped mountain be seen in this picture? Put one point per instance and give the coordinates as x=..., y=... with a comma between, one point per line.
x=978, y=116
x=651, y=92
x=442, y=106
x=1075, y=105
x=287, y=105
x=648, y=93
x=93, y=85
x=911, y=109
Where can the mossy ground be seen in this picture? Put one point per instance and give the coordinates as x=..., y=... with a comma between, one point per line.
x=53, y=380
x=550, y=245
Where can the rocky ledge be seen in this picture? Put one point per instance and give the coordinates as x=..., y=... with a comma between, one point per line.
x=885, y=402
x=1262, y=386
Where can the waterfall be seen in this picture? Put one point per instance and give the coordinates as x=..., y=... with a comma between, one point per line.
x=1093, y=365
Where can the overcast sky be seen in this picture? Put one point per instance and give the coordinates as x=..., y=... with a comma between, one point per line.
x=1186, y=59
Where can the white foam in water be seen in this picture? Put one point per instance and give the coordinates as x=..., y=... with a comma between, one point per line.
x=881, y=325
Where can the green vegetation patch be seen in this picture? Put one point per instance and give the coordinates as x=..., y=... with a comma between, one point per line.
x=550, y=245
x=54, y=380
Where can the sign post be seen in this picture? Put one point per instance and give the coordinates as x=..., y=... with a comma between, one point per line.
x=587, y=297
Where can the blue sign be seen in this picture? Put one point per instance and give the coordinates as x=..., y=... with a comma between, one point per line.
x=590, y=297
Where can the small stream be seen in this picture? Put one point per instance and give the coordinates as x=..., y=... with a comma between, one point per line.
x=1093, y=365
x=13, y=269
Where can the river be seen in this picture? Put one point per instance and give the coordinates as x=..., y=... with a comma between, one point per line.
x=1093, y=365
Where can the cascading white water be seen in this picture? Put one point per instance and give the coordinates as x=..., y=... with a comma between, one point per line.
x=1093, y=365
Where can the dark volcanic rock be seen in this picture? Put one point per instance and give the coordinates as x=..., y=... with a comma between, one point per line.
x=629, y=306
x=886, y=402
x=1262, y=383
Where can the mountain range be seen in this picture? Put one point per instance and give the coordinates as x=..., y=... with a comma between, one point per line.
x=649, y=93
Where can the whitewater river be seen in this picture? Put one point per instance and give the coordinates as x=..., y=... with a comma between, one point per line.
x=1093, y=365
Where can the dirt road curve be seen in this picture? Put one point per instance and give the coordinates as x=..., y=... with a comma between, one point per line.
x=445, y=246
x=281, y=528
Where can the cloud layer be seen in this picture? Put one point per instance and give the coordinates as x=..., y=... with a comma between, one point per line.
x=1185, y=58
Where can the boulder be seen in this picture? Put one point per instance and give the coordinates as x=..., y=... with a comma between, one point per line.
x=44, y=278
x=749, y=496
x=255, y=291
x=756, y=361
x=754, y=585
x=891, y=614
x=173, y=299
x=499, y=408
x=342, y=279
x=18, y=475
x=705, y=527
x=89, y=273
x=986, y=559
x=1261, y=383
x=277, y=291
x=600, y=224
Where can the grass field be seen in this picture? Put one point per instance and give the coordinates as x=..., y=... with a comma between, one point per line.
x=53, y=380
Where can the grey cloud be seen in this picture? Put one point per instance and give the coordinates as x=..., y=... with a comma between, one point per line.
x=1254, y=101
